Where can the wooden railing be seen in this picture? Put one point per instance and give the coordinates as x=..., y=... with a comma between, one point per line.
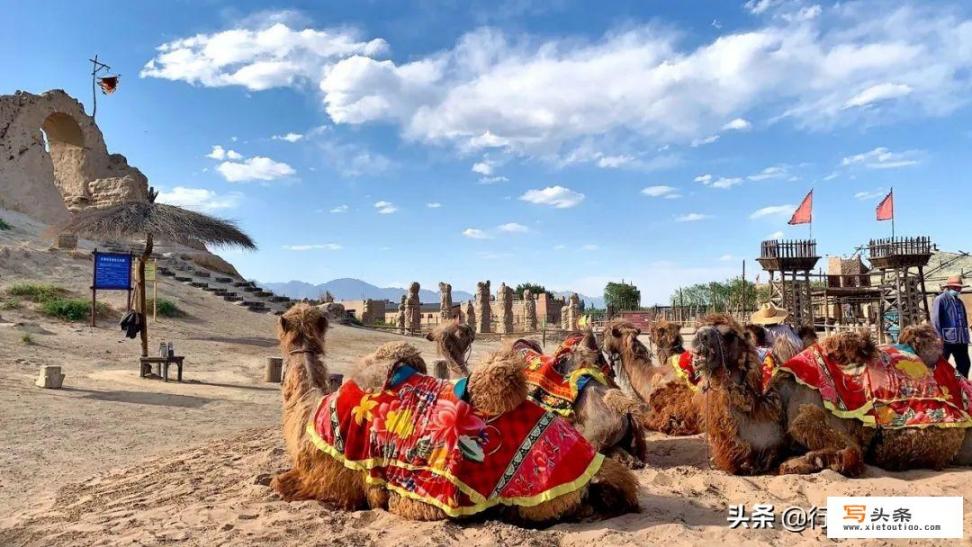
x=881, y=248
x=797, y=248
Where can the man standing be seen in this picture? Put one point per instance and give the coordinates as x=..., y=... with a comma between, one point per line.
x=950, y=320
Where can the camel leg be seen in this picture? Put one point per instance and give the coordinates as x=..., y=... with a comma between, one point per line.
x=287, y=485
x=829, y=447
x=413, y=509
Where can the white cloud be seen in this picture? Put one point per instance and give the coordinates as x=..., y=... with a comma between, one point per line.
x=882, y=158
x=726, y=258
x=773, y=210
x=878, y=93
x=476, y=233
x=261, y=58
x=701, y=141
x=589, y=247
x=613, y=162
x=554, y=196
x=289, y=137
x=776, y=235
x=704, y=179
x=492, y=180
x=385, y=207
x=352, y=160
x=199, y=199
x=484, y=168
x=433, y=205
x=661, y=191
x=757, y=7
x=771, y=172
x=867, y=196
x=255, y=168
x=691, y=217
x=724, y=183
x=219, y=153
x=513, y=228
x=738, y=124
x=314, y=247
x=339, y=209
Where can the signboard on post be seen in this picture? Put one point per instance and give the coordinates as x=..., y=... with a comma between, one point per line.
x=111, y=272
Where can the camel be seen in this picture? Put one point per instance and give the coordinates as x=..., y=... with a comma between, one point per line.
x=788, y=428
x=495, y=391
x=453, y=341
x=669, y=392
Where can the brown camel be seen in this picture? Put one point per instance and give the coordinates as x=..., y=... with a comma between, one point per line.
x=497, y=387
x=672, y=399
x=453, y=339
x=751, y=431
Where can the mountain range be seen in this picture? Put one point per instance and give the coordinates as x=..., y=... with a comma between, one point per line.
x=348, y=288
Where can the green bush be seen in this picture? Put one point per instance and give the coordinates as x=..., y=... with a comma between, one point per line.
x=4, y=225
x=37, y=292
x=9, y=304
x=72, y=309
x=27, y=339
x=166, y=308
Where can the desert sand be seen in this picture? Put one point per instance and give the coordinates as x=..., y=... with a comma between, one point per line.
x=115, y=459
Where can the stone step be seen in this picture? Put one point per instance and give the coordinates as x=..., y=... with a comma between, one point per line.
x=203, y=273
x=242, y=284
x=263, y=294
x=223, y=279
x=183, y=278
x=232, y=297
x=199, y=284
x=279, y=299
x=211, y=289
x=251, y=289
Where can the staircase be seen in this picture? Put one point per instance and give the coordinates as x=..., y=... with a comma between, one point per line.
x=238, y=291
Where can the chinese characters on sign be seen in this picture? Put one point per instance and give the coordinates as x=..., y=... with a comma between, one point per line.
x=112, y=271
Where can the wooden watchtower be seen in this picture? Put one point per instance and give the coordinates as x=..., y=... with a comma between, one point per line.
x=793, y=260
x=901, y=263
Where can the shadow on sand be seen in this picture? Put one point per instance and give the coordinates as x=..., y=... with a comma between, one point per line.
x=144, y=398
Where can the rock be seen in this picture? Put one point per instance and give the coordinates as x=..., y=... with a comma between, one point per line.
x=50, y=377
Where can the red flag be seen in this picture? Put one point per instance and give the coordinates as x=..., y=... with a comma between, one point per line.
x=108, y=84
x=803, y=213
x=885, y=209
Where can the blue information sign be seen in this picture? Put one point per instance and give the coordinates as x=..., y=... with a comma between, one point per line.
x=113, y=271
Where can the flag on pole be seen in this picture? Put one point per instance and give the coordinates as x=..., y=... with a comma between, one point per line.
x=108, y=84
x=885, y=209
x=803, y=213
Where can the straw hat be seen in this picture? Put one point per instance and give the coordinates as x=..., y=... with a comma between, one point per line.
x=954, y=282
x=768, y=314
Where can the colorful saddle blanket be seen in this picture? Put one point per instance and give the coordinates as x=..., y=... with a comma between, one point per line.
x=549, y=384
x=895, y=390
x=685, y=369
x=421, y=440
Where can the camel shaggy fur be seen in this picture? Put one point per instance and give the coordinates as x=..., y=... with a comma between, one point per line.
x=453, y=340
x=751, y=431
x=672, y=406
x=497, y=386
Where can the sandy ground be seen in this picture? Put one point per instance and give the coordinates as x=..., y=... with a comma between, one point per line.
x=116, y=459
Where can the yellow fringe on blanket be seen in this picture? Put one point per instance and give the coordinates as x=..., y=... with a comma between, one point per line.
x=680, y=373
x=480, y=503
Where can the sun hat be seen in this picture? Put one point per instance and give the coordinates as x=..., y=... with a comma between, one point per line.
x=768, y=314
x=954, y=281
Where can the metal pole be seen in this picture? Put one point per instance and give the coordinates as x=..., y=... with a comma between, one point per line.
x=94, y=96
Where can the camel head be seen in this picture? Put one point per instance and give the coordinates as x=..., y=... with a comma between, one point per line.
x=498, y=384
x=375, y=368
x=808, y=334
x=925, y=341
x=453, y=340
x=722, y=347
x=849, y=348
x=621, y=338
x=756, y=335
x=302, y=328
x=665, y=334
x=784, y=349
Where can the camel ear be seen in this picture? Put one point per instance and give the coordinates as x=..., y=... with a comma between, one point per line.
x=429, y=337
x=590, y=340
x=322, y=323
x=637, y=332
x=616, y=332
x=284, y=326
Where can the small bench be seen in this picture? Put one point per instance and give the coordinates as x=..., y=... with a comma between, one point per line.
x=163, y=366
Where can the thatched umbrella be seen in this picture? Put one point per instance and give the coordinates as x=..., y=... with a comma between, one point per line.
x=154, y=220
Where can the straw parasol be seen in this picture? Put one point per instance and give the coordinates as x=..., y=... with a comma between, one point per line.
x=152, y=220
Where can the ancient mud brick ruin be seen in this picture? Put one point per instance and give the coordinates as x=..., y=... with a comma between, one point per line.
x=471, y=315
x=413, y=309
x=529, y=311
x=485, y=319
x=445, y=301
x=504, y=299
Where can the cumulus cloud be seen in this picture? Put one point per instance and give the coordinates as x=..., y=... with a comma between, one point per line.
x=513, y=228
x=314, y=247
x=484, y=168
x=476, y=233
x=433, y=205
x=339, y=209
x=773, y=210
x=661, y=191
x=723, y=183
x=199, y=199
x=554, y=196
x=385, y=207
x=738, y=124
x=882, y=158
x=691, y=217
x=255, y=168
x=771, y=172
x=256, y=58
x=704, y=179
x=219, y=153
x=289, y=137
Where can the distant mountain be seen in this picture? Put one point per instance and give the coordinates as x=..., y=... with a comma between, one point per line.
x=354, y=289
x=589, y=301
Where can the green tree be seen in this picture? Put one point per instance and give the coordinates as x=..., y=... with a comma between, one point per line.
x=534, y=288
x=622, y=296
x=733, y=294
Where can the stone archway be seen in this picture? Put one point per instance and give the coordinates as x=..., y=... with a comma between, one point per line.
x=65, y=146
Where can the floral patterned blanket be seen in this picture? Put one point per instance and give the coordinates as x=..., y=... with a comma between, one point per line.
x=421, y=440
x=895, y=390
x=685, y=369
x=550, y=385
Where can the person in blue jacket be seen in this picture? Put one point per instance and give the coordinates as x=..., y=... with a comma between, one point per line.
x=952, y=323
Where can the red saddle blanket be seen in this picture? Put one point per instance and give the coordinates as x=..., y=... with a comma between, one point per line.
x=685, y=369
x=894, y=390
x=548, y=385
x=421, y=441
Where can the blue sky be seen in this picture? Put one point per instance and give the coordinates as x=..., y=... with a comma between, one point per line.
x=516, y=141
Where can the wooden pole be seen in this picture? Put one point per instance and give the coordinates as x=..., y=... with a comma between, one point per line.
x=155, y=293
x=94, y=291
x=141, y=293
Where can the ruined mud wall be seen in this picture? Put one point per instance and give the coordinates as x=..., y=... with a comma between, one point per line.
x=77, y=172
